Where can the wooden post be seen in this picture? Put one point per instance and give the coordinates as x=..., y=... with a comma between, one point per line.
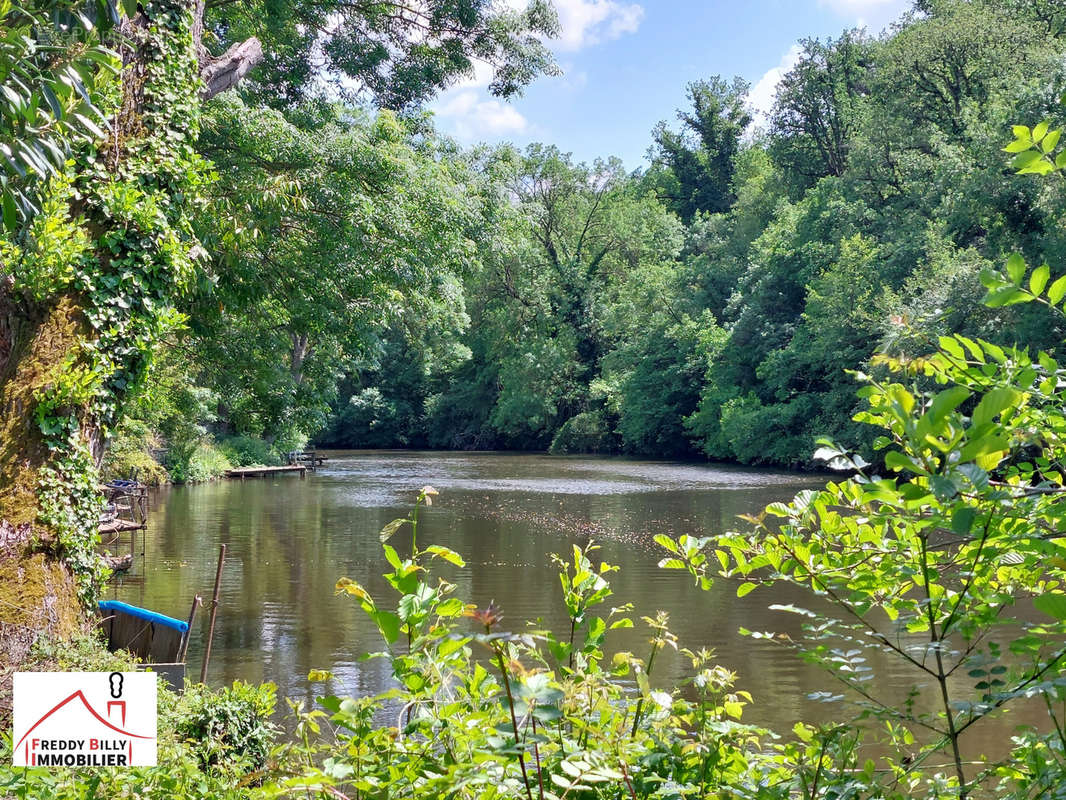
x=214, y=610
x=196, y=603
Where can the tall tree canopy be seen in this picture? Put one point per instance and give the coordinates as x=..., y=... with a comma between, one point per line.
x=693, y=167
x=92, y=282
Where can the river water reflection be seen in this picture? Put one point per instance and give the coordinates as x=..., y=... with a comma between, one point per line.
x=289, y=540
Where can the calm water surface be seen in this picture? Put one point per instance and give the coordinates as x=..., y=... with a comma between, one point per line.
x=289, y=540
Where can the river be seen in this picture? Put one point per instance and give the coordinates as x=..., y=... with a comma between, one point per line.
x=289, y=540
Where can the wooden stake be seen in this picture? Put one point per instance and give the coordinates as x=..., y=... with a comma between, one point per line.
x=196, y=603
x=214, y=610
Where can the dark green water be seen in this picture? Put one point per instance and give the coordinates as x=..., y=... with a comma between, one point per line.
x=289, y=540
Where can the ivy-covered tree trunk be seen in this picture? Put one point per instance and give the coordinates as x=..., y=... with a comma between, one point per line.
x=83, y=300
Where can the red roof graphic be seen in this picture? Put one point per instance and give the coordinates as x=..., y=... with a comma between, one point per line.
x=78, y=696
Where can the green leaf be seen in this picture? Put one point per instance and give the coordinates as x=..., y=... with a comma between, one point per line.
x=895, y=460
x=665, y=542
x=1022, y=132
x=1016, y=268
x=994, y=402
x=1018, y=146
x=1054, y=605
x=1040, y=131
x=962, y=520
x=448, y=555
x=745, y=588
x=10, y=211
x=1026, y=159
x=943, y=488
x=949, y=345
x=452, y=607
x=947, y=401
x=991, y=279
x=1051, y=140
x=388, y=623
x=1038, y=280
x=391, y=556
x=1008, y=296
x=1057, y=291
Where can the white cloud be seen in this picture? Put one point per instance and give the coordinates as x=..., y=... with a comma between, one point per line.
x=587, y=22
x=469, y=113
x=764, y=92
x=472, y=118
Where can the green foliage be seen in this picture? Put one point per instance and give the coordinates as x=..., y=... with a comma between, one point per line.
x=485, y=713
x=129, y=454
x=212, y=744
x=246, y=451
x=587, y=432
x=205, y=463
x=232, y=724
x=923, y=562
x=56, y=88
x=372, y=211
x=114, y=230
x=817, y=106
x=692, y=171
x=399, y=55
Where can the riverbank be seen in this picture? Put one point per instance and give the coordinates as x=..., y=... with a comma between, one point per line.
x=136, y=451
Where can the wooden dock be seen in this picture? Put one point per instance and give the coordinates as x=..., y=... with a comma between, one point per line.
x=263, y=472
x=308, y=457
x=120, y=526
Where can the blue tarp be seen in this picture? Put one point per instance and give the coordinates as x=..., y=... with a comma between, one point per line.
x=145, y=614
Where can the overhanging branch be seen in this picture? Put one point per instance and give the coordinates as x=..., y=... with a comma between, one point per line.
x=225, y=71
x=220, y=73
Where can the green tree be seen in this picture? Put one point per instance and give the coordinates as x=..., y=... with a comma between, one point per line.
x=93, y=282
x=398, y=54
x=692, y=169
x=817, y=106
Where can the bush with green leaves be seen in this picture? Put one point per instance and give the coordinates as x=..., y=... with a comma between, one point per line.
x=206, y=463
x=232, y=724
x=246, y=451
x=932, y=562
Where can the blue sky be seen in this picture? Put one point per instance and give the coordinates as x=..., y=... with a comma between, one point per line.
x=626, y=63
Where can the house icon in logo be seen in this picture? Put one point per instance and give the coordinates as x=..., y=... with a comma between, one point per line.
x=75, y=732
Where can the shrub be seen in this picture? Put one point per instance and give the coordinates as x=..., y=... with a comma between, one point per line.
x=129, y=455
x=588, y=432
x=247, y=451
x=228, y=725
x=206, y=463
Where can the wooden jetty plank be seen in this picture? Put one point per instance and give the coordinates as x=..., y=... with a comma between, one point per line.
x=121, y=526
x=256, y=472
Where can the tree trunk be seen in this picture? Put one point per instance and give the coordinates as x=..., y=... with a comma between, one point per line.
x=94, y=289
